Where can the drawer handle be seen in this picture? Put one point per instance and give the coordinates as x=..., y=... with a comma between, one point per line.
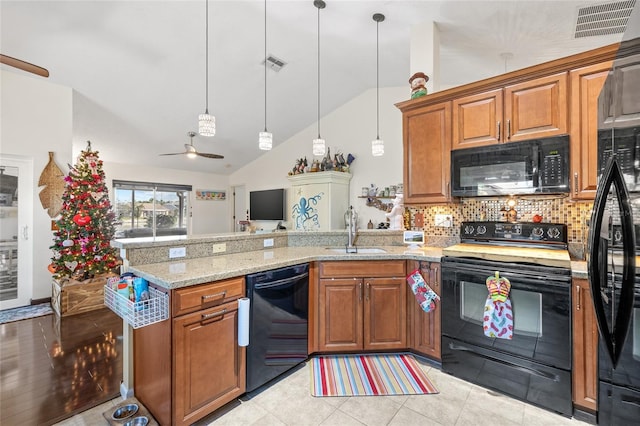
x=212, y=296
x=214, y=314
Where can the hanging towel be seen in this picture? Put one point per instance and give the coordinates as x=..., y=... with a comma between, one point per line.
x=425, y=296
x=498, y=314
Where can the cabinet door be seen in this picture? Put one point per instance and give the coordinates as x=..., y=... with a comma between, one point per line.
x=385, y=317
x=477, y=120
x=424, y=331
x=340, y=315
x=427, y=145
x=536, y=108
x=209, y=366
x=586, y=84
x=585, y=347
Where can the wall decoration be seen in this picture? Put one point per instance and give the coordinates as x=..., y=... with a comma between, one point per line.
x=211, y=195
x=305, y=214
x=52, y=179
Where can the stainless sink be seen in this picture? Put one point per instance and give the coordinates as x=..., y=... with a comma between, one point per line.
x=363, y=250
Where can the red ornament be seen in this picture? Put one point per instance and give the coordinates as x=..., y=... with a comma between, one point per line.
x=81, y=219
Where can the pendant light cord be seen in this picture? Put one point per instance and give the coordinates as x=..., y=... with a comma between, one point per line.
x=206, y=55
x=377, y=80
x=318, y=72
x=265, y=65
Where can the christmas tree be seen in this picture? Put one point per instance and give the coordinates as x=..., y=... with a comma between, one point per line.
x=86, y=226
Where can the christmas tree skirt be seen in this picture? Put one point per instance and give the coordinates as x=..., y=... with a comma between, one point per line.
x=71, y=297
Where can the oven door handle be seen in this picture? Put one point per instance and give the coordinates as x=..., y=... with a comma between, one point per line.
x=537, y=281
x=532, y=371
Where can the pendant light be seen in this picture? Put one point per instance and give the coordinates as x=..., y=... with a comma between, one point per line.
x=265, y=139
x=377, y=145
x=319, y=145
x=206, y=122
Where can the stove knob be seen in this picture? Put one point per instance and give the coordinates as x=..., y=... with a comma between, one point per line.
x=468, y=230
x=482, y=229
x=553, y=233
x=537, y=233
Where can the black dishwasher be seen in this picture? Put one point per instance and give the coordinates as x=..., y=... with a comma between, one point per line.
x=277, y=322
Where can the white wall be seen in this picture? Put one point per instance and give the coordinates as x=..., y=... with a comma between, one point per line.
x=36, y=118
x=348, y=129
x=207, y=217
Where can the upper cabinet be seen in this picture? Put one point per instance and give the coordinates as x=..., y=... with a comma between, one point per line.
x=532, y=109
x=427, y=146
x=586, y=84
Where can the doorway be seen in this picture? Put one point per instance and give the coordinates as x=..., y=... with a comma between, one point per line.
x=240, y=212
x=16, y=228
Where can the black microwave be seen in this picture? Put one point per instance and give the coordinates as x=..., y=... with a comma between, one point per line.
x=536, y=166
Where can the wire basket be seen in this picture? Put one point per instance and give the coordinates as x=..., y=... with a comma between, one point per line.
x=138, y=314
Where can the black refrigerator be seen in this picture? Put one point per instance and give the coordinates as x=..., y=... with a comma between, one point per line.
x=613, y=236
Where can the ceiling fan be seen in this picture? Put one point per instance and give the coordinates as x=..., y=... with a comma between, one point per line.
x=190, y=150
x=23, y=65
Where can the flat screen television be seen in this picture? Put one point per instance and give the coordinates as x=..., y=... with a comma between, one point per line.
x=268, y=204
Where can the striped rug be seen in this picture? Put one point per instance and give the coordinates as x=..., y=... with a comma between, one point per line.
x=359, y=375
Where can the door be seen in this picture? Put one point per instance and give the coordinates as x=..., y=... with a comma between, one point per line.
x=240, y=211
x=385, y=318
x=536, y=108
x=424, y=326
x=586, y=84
x=16, y=225
x=477, y=120
x=340, y=319
x=207, y=375
x=427, y=145
x=541, y=305
x=585, y=347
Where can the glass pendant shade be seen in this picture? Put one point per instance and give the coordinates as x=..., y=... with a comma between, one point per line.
x=318, y=146
x=265, y=140
x=377, y=147
x=206, y=124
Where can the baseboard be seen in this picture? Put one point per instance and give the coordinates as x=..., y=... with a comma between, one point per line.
x=40, y=301
x=585, y=416
x=125, y=392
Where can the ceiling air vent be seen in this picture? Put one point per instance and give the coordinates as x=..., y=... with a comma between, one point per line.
x=603, y=19
x=274, y=63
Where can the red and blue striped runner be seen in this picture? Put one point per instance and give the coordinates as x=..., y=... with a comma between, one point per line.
x=358, y=375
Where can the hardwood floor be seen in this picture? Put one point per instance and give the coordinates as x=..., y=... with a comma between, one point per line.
x=52, y=368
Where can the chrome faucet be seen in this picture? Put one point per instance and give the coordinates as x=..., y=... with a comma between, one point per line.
x=351, y=244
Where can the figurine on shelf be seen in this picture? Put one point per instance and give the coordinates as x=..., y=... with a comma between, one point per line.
x=396, y=215
x=418, y=83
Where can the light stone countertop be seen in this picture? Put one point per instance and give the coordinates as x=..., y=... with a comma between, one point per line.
x=579, y=269
x=187, y=272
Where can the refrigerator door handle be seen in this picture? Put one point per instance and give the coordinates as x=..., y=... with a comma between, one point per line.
x=614, y=338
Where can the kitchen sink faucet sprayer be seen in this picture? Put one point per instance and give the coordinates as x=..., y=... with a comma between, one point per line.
x=351, y=246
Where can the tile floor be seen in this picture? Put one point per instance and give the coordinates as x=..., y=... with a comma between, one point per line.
x=289, y=402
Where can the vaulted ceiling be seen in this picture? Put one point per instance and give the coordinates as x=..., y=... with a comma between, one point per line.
x=138, y=67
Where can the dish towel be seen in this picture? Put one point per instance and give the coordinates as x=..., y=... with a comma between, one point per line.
x=425, y=296
x=498, y=314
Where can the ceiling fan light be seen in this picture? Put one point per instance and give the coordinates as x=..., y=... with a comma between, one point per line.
x=265, y=141
x=191, y=155
x=319, y=146
x=377, y=147
x=206, y=124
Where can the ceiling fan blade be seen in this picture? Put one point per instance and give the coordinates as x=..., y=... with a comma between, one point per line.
x=175, y=153
x=202, y=154
x=25, y=66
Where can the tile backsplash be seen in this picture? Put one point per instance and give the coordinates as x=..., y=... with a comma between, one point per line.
x=552, y=209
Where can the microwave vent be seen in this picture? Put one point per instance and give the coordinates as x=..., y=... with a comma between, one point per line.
x=603, y=19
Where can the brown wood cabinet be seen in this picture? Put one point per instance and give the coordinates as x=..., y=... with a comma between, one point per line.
x=585, y=348
x=424, y=327
x=187, y=367
x=531, y=109
x=427, y=146
x=366, y=311
x=586, y=84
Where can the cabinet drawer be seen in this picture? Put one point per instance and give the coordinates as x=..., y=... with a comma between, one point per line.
x=375, y=268
x=206, y=295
